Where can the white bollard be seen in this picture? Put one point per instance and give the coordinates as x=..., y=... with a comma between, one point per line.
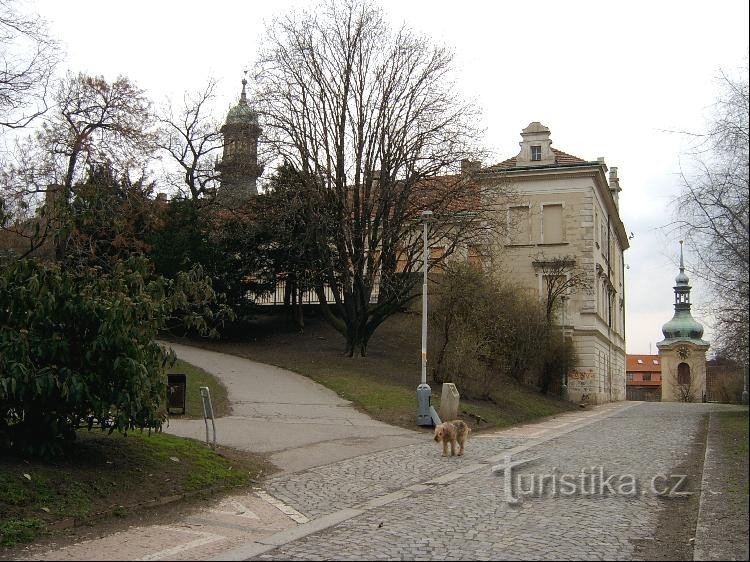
x=449, y=402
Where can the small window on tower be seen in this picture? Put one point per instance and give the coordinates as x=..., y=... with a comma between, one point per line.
x=536, y=153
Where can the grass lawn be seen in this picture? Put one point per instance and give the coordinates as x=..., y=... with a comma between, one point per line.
x=382, y=384
x=734, y=430
x=105, y=476
x=197, y=377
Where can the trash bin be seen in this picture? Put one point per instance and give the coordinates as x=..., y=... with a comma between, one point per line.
x=176, y=393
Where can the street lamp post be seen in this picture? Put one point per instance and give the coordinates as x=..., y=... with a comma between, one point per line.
x=564, y=388
x=424, y=393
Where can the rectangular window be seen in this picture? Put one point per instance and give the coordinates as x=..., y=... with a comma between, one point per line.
x=536, y=153
x=646, y=377
x=552, y=224
x=519, y=231
x=630, y=377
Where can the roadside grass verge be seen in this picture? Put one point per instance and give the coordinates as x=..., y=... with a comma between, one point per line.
x=383, y=383
x=111, y=475
x=197, y=377
x=735, y=429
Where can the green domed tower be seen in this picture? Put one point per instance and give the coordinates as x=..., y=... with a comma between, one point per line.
x=682, y=351
x=239, y=169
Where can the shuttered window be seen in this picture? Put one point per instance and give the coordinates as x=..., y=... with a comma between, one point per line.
x=552, y=224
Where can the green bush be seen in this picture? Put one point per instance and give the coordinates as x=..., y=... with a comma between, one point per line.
x=77, y=346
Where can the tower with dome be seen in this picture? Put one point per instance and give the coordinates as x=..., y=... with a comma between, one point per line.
x=682, y=351
x=239, y=169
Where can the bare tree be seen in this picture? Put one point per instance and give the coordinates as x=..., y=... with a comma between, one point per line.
x=560, y=277
x=712, y=214
x=28, y=57
x=191, y=138
x=684, y=388
x=372, y=116
x=94, y=123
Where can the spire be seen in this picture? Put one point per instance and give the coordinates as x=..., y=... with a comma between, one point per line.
x=243, y=95
x=682, y=326
x=682, y=262
x=682, y=278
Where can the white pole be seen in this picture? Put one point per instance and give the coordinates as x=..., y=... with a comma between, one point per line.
x=425, y=217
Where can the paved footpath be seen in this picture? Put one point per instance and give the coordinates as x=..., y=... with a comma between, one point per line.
x=295, y=421
x=409, y=502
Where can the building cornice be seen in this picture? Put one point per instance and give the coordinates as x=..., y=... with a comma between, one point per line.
x=595, y=170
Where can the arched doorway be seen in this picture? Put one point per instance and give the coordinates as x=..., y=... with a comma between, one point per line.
x=683, y=374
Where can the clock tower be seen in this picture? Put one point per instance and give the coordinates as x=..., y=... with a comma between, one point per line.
x=682, y=352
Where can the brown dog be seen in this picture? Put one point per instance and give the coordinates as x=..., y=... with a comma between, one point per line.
x=452, y=432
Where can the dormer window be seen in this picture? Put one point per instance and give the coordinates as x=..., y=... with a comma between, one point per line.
x=536, y=153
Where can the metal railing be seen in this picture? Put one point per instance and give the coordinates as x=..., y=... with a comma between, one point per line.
x=276, y=297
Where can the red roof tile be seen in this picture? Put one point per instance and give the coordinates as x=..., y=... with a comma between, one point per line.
x=560, y=158
x=642, y=364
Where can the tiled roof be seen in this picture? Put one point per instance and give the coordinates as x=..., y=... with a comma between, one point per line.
x=560, y=158
x=642, y=364
x=446, y=194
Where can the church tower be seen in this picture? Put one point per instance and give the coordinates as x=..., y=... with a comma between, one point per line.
x=682, y=351
x=239, y=169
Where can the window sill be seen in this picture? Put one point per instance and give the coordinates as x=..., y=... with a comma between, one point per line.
x=553, y=244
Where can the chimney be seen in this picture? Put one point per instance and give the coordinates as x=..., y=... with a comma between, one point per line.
x=614, y=186
x=470, y=166
x=53, y=196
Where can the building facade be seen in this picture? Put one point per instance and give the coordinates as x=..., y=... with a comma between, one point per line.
x=683, y=351
x=643, y=375
x=566, y=208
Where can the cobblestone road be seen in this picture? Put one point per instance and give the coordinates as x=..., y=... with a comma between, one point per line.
x=466, y=516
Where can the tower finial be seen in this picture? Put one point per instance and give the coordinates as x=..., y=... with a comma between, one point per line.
x=682, y=263
x=243, y=95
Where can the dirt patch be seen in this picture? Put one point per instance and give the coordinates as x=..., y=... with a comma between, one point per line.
x=678, y=515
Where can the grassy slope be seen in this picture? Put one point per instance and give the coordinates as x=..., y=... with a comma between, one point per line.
x=106, y=475
x=383, y=383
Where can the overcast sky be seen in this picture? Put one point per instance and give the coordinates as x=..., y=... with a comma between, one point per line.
x=608, y=78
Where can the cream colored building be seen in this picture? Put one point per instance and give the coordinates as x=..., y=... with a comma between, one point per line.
x=567, y=206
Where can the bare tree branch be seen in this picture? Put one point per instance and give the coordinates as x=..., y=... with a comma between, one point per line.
x=28, y=57
x=712, y=215
x=191, y=138
x=373, y=116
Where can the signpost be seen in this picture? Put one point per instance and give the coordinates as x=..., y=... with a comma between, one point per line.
x=208, y=413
